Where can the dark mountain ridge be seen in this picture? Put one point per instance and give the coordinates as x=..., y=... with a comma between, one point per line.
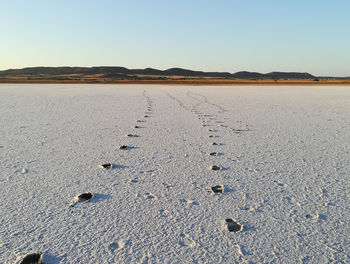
x=122, y=71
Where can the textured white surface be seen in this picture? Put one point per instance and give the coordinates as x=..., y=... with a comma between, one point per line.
x=285, y=173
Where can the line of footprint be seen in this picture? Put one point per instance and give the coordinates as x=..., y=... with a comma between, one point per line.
x=37, y=257
x=232, y=224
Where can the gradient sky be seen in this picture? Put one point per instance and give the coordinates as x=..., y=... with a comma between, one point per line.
x=222, y=35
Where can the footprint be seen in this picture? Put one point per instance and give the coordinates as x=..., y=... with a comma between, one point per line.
x=316, y=216
x=242, y=251
x=34, y=258
x=281, y=184
x=255, y=207
x=167, y=185
x=113, y=247
x=239, y=131
x=164, y=213
x=135, y=180
x=218, y=189
x=233, y=225
x=106, y=166
x=189, y=202
x=149, y=196
x=116, y=246
x=186, y=241
x=148, y=171
x=324, y=192
x=215, y=167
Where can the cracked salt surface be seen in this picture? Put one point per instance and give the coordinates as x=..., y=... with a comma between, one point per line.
x=284, y=150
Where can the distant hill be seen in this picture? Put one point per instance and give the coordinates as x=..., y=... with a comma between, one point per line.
x=33, y=71
x=289, y=75
x=122, y=72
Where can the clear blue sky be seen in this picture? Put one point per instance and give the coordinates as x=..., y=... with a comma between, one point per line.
x=222, y=35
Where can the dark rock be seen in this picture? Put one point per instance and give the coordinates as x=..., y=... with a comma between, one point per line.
x=233, y=225
x=85, y=196
x=106, y=166
x=218, y=189
x=34, y=258
x=215, y=168
x=308, y=216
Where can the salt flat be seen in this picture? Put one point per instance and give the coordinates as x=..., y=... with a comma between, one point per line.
x=283, y=154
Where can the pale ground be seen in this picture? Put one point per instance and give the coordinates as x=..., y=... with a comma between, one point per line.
x=286, y=173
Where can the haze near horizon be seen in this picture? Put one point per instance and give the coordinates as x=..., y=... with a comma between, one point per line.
x=262, y=36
